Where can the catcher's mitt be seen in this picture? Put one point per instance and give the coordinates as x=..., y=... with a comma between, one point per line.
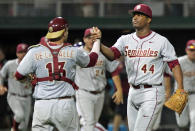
x=177, y=101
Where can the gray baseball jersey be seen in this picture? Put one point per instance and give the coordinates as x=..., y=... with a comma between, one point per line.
x=8, y=71
x=188, y=114
x=188, y=69
x=19, y=94
x=39, y=60
x=94, y=78
x=145, y=58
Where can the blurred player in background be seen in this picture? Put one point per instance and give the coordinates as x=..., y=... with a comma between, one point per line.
x=146, y=53
x=187, y=63
x=54, y=64
x=121, y=110
x=19, y=94
x=92, y=82
x=4, y=111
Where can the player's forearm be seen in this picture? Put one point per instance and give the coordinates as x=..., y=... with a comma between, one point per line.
x=178, y=75
x=108, y=53
x=96, y=46
x=167, y=80
x=117, y=82
x=94, y=53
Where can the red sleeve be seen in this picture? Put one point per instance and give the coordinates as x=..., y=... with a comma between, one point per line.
x=118, y=70
x=19, y=76
x=93, y=59
x=173, y=63
x=116, y=52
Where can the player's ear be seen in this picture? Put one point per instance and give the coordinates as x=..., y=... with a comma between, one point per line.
x=149, y=20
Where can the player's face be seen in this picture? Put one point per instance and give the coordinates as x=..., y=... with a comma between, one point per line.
x=88, y=42
x=20, y=55
x=140, y=21
x=191, y=54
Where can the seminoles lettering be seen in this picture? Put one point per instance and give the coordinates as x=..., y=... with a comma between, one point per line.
x=141, y=52
x=47, y=55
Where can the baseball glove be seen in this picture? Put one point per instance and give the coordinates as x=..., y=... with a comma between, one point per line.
x=177, y=101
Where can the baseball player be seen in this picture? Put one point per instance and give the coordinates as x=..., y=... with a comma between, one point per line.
x=19, y=94
x=146, y=53
x=92, y=82
x=187, y=63
x=54, y=64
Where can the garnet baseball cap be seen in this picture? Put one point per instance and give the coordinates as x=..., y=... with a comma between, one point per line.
x=190, y=45
x=22, y=47
x=87, y=32
x=56, y=27
x=142, y=8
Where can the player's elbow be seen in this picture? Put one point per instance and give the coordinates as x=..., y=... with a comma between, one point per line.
x=93, y=59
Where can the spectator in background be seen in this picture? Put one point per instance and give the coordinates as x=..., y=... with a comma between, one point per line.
x=88, y=9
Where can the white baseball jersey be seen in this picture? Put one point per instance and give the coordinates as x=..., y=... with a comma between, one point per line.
x=39, y=60
x=145, y=58
x=94, y=78
x=16, y=87
x=188, y=69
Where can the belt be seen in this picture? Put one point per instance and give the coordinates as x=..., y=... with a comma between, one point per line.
x=145, y=86
x=14, y=94
x=93, y=92
x=138, y=86
x=59, y=98
x=65, y=97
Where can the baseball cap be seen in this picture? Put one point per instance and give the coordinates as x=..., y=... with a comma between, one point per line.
x=22, y=47
x=87, y=32
x=190, y=45
x=56, y=27
x=142, y=8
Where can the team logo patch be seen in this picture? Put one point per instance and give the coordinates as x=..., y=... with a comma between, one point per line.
x=138, y=7
x=23, y=47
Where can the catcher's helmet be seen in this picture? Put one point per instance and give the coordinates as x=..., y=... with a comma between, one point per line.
x=142, y=8
x=56, y=27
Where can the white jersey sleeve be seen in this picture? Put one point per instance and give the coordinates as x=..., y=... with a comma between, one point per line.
x=111, y=66
x=82, y=58
x=28, y=64
x=168, y=51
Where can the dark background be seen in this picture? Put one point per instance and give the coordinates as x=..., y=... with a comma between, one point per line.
x=9, y=38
